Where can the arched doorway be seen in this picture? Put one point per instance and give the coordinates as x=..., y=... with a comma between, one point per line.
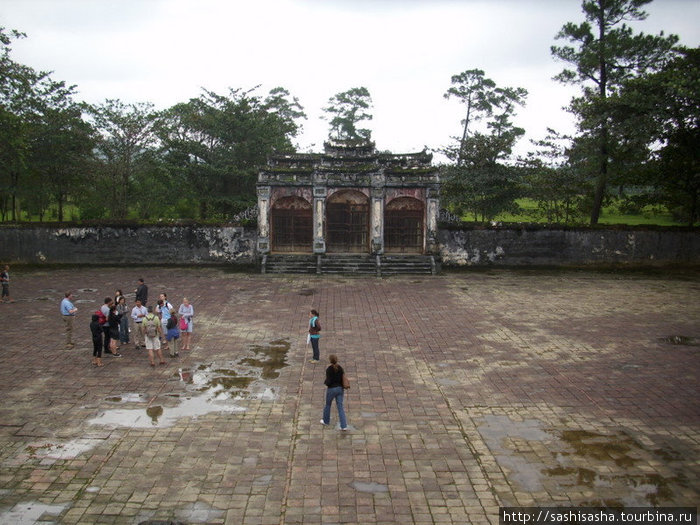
x=347, y=222
x=291, y=225
x=403, y=225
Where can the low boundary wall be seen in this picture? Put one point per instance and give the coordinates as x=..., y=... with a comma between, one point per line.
x=179, y=244
x=459, y=246
x=550, y=246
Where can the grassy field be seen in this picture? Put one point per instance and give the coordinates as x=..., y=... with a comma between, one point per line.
x=609, y=215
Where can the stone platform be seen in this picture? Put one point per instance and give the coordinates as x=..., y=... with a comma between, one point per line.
x=470, y=391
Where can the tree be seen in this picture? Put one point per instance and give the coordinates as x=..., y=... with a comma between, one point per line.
x=126, y=134
x=214, y=144
x=476, y=92
x=482, y=181
x=552, y=181
x=346, y=110
x=61, y=145
x=45, y=142
x=662, y=110
x=605, y=53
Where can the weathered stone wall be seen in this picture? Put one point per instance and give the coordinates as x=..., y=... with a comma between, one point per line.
x=470, y=246
x=128, y=244
x=541, y=246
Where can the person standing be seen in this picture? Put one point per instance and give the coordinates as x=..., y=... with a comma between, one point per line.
x=123, y=311
x=5, y=280
x=335, y=390
x=113, y=320
x=138, y=312
x=153, y=331
x=68, y=311
x=96, y=331
x=107, y=343
x=163, y=309
x=142, y=292
x=315, y=335
x=173, y=334
x=186, y=312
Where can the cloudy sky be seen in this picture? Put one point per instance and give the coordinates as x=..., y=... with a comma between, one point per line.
x=403, y=51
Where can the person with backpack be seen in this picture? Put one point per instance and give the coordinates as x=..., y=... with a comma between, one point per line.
x=314, y=336
x=152, y=333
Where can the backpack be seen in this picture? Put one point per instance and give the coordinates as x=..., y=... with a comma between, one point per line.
x=172, y=323
x=150, y=324
x=183, y=323
x=100, y=317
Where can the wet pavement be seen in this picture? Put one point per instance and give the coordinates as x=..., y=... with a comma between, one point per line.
x=470, y=391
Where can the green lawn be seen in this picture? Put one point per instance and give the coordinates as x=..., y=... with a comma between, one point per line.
x=609, y=215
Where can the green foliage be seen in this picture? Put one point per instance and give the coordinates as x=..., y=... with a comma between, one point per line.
x=214, y=144
x=552, y=182
x=482, y=182
x=663, y=110
x=604, y=53
x=347, y=109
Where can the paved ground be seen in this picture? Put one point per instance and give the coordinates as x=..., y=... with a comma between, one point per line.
x=470, y=391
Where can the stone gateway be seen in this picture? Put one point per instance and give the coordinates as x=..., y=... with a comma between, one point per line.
x=350, y=199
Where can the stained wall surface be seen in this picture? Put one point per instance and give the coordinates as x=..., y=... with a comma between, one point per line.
x=196, y=244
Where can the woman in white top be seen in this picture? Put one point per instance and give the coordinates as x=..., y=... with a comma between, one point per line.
x=186, y=312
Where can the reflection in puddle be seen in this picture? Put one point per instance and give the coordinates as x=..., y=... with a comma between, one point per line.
x=611, y=469
x=129, y=397
x=211, y=386
x=234, y=379
x=158, y=416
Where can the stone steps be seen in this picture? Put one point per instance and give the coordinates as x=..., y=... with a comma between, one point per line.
x=350, y=264
x=298, y=264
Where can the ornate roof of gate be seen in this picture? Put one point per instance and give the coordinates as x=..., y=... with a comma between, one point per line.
x=349, y=160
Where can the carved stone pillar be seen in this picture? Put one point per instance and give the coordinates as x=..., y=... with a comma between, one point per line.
x=432, y=216
x=376, y=218
x=264, y=193
x=319, y=220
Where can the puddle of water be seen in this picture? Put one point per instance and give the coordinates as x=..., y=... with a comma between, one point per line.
x=161, y=417
x=30, y=513
x=217, y=384
x=274, y=357
x=129, y=397
x=601, y=447
x=371, y=487
x=680, y=340
x=57, y=451
x=604, y=450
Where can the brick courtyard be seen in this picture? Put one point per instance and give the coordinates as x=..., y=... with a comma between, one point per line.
x=470, y=391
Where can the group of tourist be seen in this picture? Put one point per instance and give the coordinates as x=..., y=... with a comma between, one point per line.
x=154, y=328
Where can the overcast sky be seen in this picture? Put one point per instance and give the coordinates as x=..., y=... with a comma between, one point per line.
x=403, y=51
